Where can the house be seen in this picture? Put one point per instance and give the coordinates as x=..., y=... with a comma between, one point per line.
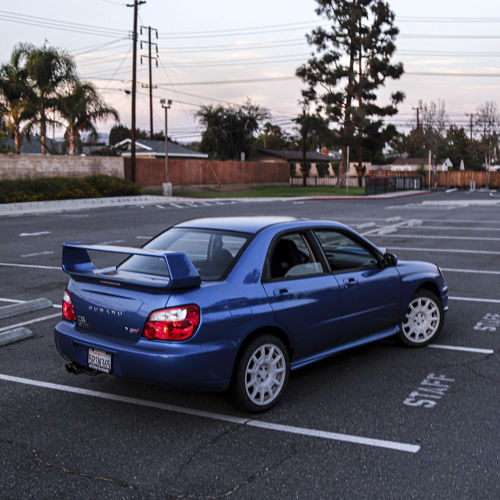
x=146, y=148
x=32, y=146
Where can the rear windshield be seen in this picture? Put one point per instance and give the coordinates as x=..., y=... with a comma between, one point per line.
x=211, y=252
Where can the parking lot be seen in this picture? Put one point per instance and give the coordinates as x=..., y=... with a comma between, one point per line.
x=381, y=421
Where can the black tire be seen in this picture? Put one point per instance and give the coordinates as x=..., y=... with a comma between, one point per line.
x=423, y=321
x=261, y=374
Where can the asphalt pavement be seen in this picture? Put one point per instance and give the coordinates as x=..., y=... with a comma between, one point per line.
x=353, y=426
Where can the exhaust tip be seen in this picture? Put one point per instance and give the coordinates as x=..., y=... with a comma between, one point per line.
x=70, y=368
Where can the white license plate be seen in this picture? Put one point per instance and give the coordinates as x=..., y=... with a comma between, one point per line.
x=99, y=360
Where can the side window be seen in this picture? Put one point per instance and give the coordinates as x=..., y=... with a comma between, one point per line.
x=344, y=252
x=292, y=257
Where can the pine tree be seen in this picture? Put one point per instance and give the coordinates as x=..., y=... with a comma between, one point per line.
x=352, y=61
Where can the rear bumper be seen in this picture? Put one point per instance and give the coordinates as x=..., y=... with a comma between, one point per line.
x=173, y=365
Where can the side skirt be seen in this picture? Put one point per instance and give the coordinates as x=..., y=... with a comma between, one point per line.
x=344, y=347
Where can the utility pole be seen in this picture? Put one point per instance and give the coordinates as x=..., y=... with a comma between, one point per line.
x=417, y=109
x=135, y=5
x=150, y=60
x=470, y=115
x=167, y=185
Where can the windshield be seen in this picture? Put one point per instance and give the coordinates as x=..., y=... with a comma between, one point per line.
x=212, y=252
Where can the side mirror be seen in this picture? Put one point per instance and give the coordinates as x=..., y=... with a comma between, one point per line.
x=390, y=260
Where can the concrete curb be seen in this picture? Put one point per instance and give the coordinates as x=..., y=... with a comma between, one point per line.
x=24, y=307
x=57, y=206
x=15, y=335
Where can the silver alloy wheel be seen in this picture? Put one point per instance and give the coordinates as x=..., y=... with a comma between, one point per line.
x=265, y=374
x=422, y=320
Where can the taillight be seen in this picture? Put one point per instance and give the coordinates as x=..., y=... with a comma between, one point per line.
x=68, y=311
x=174, y=323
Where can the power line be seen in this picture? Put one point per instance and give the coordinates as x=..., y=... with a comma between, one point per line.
x=444, y=19
x=432, y=36
x=241, y=30
x=230, y=82
x=50, y=23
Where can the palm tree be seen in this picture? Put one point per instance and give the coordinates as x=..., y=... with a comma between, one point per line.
x=13, y=99
x=81, y=106
x=47, y=70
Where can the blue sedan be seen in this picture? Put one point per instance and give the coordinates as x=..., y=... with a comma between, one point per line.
x=238, y=302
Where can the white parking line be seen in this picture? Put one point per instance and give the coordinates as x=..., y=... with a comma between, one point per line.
x=30, y=322
x=34, y=266
x=332, y=436
x=13, y=301
x=34, y=234
x=461, y=228
x=111, y=242
x=474, y=299
x=460, y=348
x=439, y=237
x=444, y=250
x=37, y=254
x=472, y=271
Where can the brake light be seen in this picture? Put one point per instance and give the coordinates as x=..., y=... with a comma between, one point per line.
x=68, y=311
x=174, y=323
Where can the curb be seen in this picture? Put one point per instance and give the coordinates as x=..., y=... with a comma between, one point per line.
x=14, y=335
x=57, y=206
x=24, y=307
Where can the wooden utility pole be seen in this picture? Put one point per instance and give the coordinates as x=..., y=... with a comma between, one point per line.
x=150, y=62
x=471, y=116
x=135, y=5
x=417, y=109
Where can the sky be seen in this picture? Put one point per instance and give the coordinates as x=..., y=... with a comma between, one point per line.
x=228, y=51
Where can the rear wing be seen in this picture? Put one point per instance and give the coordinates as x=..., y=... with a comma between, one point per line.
x=76, y=262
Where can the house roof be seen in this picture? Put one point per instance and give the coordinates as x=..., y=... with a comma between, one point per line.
x=157, y=148
x=297, y=155
x=32, y=146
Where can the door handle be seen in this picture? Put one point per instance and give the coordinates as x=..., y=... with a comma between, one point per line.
x=349, y=282
x=282, y=292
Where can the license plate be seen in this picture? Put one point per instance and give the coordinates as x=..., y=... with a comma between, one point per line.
x=99, y=360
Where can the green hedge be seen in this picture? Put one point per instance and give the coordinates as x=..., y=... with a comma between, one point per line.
x=65, y=188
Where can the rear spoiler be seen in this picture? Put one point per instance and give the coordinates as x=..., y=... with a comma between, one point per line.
x=181, y=272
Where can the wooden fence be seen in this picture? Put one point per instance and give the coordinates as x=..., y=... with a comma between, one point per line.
x=182, y=172
x=452, y=179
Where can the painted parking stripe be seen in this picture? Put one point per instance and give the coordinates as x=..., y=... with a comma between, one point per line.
x=460, y=348
x=302, y=431
x=444, y=250
x=472, y=271
x=439, y=237
x=40, y=233
x=37, y=254
x=30, y=322
x=33, y=266
x=475, y=299
x=13, y=301
x=111, y=242
x=457, y=228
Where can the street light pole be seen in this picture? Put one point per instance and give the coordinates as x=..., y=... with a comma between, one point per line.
x=166, y=186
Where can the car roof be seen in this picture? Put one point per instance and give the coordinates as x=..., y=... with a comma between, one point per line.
x=251, y=224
